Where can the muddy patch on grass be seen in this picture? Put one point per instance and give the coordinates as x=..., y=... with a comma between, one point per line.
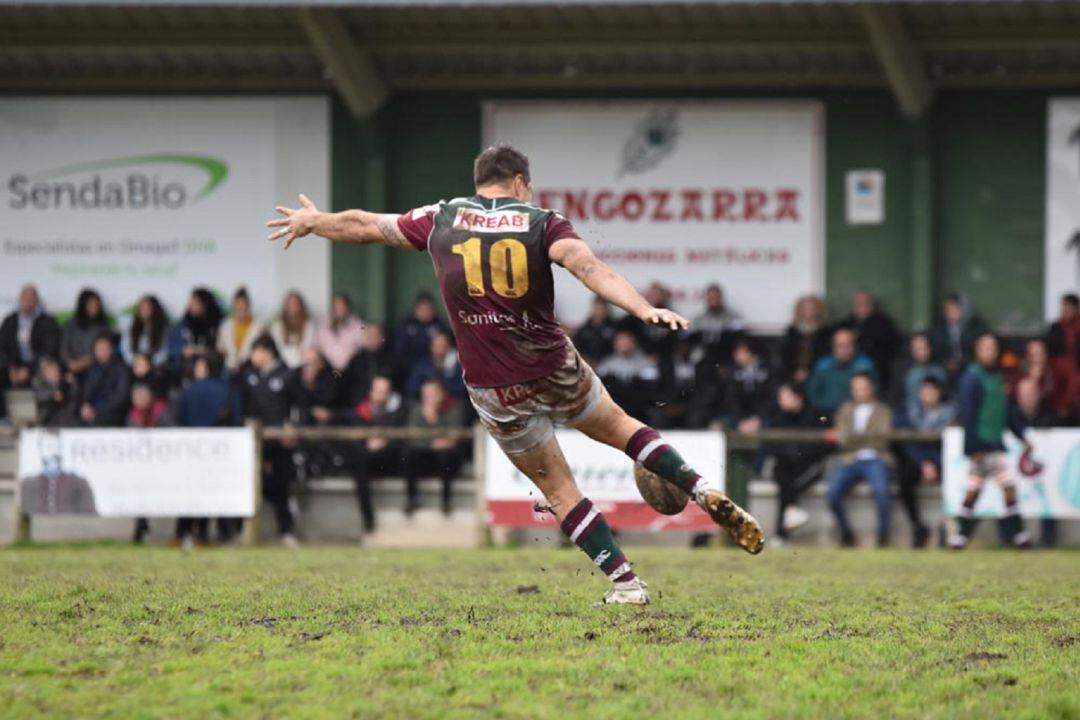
x=527, y=589
x=1064, y=641
x=983, y=656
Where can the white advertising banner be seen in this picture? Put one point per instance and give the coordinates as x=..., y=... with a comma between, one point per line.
x=137, y=195
x=684, y=193
x=605, y=476
x=1062, y=264
x=1048, y=480
x=166, y=472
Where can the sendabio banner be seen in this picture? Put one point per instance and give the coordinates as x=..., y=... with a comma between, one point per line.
x=131, y=196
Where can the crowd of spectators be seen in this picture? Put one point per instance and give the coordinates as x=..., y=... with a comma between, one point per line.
x=218, y=365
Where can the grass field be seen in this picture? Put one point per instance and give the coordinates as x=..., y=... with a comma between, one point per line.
x=128, y=632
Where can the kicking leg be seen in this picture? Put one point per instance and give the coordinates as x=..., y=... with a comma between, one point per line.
x=608, y=423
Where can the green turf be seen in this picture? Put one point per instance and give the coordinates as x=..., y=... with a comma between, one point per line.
x=129, y=633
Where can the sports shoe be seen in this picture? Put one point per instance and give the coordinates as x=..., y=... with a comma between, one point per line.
x=631, y=592
x=289, y=540
x=958, y=541
x=795, y=517
x=740, y=525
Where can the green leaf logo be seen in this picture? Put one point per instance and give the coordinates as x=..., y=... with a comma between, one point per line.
x=216, y=170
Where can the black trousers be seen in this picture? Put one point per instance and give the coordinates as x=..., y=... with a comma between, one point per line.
x=425, y=462
x=793, y=476
x=279, y=473
x=368, y=465
x=199, y=528
x=910, y=477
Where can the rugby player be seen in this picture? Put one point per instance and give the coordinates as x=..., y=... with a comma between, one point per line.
x=492, y=254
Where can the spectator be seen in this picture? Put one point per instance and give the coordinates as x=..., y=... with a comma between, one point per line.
x=921, y=461
x=920, y=367
x=437, y=456
x=718, y=327
x=318, y=388
x=293, y=331
x=655, y=340
x=682, y=396
x=830, y=381
x=1030, y=411
x=238, y=331
x=149, y=331
x=104, y=396
x=983, y=413
x=796, y=466
x=1036, y=367
x=629, y=375
x=269, y=395
x=594, y=338
x=80, y=331
x=145, y=372
x=806, y=340
x=875, y=335
x=953, y=335
x=412, y=337
x=441, y=364
x=1063, y=345
x=864, y=456
x=147, y=411
x=197, y=332
x=748, y=389
x=374, y=358
x=341, y=334
x=54, y=395
x=26, y=335
x=377, y=456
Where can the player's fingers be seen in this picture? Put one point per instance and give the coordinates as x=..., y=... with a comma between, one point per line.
x=289, y=241
x=277, y=222
x=306, y=202
x=284, y=210
x=278, y=234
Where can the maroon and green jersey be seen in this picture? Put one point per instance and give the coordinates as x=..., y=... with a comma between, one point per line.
x=491, y=259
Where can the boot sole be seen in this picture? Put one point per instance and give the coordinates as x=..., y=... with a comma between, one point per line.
x=740, y=525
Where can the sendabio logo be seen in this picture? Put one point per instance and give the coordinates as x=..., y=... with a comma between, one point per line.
x=123, y=183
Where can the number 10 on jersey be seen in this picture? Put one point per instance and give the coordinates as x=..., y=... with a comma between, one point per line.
x=508, y=261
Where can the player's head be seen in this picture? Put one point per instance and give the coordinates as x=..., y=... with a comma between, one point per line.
x=862, y=388
x=987, y=350
x=504, y=168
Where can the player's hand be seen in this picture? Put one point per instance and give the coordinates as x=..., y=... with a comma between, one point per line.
x=662, y=316
x=296, y=223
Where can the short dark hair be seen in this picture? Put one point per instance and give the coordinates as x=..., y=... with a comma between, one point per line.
x=500, y=164
x=265, y=342
x=933, y=381
x=1072, y=299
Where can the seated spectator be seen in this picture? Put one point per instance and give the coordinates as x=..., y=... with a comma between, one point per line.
x=147, y=411
x=437, y=456
x=1029, y=406
x=80, y=331
x=920, y=366
x=104, y=396
x=806, y=340
x=374, y=358
x=1063, y=345
x=412, y=336
x=149, y=331
x=441, y=364
x=341, y=334
x=876, y=335
x=594, y=338
x=238, y=331
x=717, y=328
x=293, y=331
x=630, y=375
x=796, y=466
x=680, y=397
x=1035, y=366
x=748, y=388
x=830, y=380
x=953, y=334
x=921, y=461
x=54, y=395
x=26, y=336
x=145, y=372
x=197, y=332
x=377, y=456
x=318, y=388
x=864, y=456
x=655, y=340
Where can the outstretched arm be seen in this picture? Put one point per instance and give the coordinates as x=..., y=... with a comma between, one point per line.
x=574, y=255
x=350, y=226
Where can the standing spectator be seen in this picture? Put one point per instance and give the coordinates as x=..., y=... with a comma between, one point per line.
x=80, y=332
x=374, y=358
x=238, y=331
x=921, y=462
x=377, y=456
x=147, y=411
x=864, y=456
x=748, y=389
x=412, y=337
x=830, y=381
x=630, y=375
x=718, y=327
x=806, y=340
x=104, y=396
x=149, y=332
x=796, y=466
x=876, y=335
x=54, y=395
x=953, y=335
x=984, y=414
x=594, y=338
x=26, y=336
x=197, y=332
x=439, y=456
x=341, y=334
x=293, y=331
x=1063, y=344
x=920, y=366
x=441, y=364
x=269, y=395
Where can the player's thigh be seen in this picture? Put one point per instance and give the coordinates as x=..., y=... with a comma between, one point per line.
x=608, y=423
x=546, y=466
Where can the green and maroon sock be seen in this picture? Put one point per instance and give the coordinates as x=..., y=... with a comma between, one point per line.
x=588, y=529
x=648, y=448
